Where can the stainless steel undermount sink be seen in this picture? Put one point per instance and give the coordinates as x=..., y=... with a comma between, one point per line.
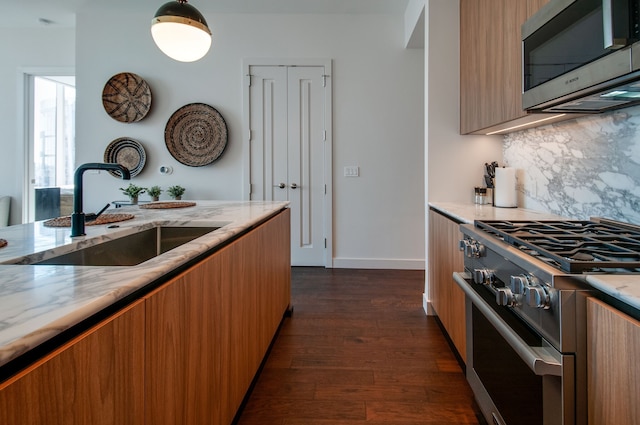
x=132, y=249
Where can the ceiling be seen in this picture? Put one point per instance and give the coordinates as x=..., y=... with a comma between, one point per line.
x=61, y=13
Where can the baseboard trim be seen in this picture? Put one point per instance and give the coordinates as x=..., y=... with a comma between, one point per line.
x=378, y=263
x=427, y=307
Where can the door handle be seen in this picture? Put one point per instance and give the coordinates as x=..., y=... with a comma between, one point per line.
x=294, y=186
x=281, y=185
x=615, y=32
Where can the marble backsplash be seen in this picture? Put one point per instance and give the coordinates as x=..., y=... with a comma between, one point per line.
x=581, y=168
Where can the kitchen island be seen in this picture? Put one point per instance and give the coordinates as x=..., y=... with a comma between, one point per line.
x=142, y=339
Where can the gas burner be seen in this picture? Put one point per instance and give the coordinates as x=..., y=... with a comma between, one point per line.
x=573, y=246
x=582, y=256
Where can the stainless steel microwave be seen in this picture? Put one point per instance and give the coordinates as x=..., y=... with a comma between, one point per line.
x=582, y=56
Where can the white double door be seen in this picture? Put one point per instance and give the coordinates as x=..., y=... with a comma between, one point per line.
x=288, y=136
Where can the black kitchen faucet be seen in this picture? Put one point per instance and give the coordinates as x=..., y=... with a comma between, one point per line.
x=77, y=218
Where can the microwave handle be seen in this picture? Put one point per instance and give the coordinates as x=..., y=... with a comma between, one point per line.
x=539, y=359
x=615, y=25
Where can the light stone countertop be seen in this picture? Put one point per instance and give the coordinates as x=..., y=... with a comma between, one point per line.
x=39, y=302
x=468, y=212
x=622, y=287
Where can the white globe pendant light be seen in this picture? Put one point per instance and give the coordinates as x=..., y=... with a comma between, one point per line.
x=180, y=31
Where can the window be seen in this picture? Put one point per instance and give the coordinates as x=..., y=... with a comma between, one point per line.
x=51, y=145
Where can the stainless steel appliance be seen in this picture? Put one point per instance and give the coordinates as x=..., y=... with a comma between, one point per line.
x=582, y=56
x=526, y=291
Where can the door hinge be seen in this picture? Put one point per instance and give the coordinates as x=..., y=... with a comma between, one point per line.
x=249, y=79
x=325, y=189
x=250, y=188
x=250, y=135
x=324, y=80
x=324, y=135
x=325, y=243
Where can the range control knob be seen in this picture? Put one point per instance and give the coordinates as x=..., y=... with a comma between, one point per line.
x=505, y=297
x=537, y=297
x=518, y=283
x=471, y=248
x=477, y=250
x=465, y=246
x=483, y=276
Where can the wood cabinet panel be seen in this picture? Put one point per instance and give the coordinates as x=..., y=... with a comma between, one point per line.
x=446, y=296
x=491, y=61
x=96, y=378
x=256, y=286
x=613, y=356
x=183, y=360
x=209, y=328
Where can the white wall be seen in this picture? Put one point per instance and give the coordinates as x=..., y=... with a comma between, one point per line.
x=24, y=50
x=454, y=162
x=377, y=123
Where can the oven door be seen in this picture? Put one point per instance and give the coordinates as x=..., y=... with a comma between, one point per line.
x=516, y=376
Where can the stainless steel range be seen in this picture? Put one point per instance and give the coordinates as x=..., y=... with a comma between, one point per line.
x=525, y=287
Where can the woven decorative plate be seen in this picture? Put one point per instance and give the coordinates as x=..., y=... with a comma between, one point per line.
x=165, y=205
x=103, y=219
x=196, y=134
x=126, y=97
x=128, y=153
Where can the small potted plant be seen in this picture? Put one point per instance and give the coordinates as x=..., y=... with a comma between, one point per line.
x=176, y=192
x=154, y=192
x=133, y=191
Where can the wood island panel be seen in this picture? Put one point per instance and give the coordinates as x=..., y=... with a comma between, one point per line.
x=183, y=360
x=256, y=302
x=209, y=328
x=96, y=378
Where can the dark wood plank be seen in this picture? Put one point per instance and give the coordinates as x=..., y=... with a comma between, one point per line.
x=359, y=349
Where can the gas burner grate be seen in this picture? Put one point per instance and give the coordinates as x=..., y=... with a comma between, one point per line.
x=572, y=246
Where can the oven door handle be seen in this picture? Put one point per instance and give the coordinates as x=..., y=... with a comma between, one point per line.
x=540, y=360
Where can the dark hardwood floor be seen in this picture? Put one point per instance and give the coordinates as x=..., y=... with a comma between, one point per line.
x=359, y=349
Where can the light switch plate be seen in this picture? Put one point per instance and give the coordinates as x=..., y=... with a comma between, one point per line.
x=351, y=171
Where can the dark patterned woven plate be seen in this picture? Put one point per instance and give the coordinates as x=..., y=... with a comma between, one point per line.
x=126, y=97
x=128, y=153
x=65, y=221
x=196, y=134
x=166, y=205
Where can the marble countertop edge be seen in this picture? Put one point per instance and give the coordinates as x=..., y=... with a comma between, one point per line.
x=468, y=212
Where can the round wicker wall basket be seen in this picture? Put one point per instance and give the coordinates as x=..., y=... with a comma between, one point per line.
x=126, y=97
x=196, y=135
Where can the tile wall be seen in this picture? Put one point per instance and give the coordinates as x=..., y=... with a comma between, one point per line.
x=585, y=167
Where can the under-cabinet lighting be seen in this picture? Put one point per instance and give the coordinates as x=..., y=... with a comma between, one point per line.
x=529, y=124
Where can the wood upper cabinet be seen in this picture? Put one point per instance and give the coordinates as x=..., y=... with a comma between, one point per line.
x=491, y=61
x=613, y=357
x=96, y=378
x=447, y=299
